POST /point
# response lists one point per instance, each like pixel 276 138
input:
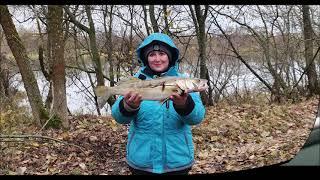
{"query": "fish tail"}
pixel 103 93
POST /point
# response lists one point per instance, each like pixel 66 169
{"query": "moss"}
pixel 54 122
pixel 44 115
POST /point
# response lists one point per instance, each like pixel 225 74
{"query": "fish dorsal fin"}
pixel 128 80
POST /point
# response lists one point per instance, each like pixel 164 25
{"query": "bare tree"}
pixel 199 18
pixel 93 44
pixel 2 71
pixel 94 52
pixel 153 19
pixel 19 52
pixel 130 48
pixel 5 90
pixel 166 22
pixel 310 65
pixel 109 45
pixel 55 37
pixel 45 67
pixel 146 19
pixel 263 37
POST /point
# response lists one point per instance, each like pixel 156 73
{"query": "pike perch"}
pixel 159 89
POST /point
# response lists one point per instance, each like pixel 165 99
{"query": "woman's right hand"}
pixel 133 99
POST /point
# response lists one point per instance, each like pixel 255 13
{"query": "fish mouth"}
pixel 198 86
pixel 203 85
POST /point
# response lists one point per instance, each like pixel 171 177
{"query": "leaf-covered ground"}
pixel 230 138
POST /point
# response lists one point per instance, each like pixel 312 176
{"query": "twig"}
pixel 306 69
pixel 45 124
pixel 42 137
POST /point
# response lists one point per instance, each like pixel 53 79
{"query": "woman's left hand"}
pixel 179 100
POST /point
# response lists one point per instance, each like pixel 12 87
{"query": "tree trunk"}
pixel 2 90
pixel 46 69
pixel 308 39
pixel 19 52
pixel 94 48
pixel 93 44
pixel 130 44
pixel 109 47
pixel 146 19
pixel 55 36
pixel 47 75
pixel 153 19
pixel 166 26
pixel 199 21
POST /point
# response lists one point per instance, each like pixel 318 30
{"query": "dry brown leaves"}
pixel 230 138
pixel 102 139
pixel 233 138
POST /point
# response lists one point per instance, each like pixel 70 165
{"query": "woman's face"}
pixel 158 61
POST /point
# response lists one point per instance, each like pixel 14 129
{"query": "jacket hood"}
pixel 161 38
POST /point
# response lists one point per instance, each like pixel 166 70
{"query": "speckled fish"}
pixel 159 89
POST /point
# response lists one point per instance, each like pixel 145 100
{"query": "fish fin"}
pixel 182 92
pixel 128 80
pixel 103 94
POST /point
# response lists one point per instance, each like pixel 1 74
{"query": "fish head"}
pixel 193 85
pixel 200 84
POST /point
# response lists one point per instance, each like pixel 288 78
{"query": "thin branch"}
pixel 89 71
pixel 73 19
pixel 239 56
pixel 306 69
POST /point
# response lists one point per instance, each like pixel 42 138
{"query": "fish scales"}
pixel 157 89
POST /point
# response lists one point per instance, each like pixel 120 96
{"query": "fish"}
pixel 158 89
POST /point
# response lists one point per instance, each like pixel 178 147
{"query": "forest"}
pixel 262 64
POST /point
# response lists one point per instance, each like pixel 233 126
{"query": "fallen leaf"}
pixel 21 170
pixel 82 166
pixel 35 144
pixel 93 138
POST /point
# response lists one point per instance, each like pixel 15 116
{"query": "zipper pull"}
pixel 167 104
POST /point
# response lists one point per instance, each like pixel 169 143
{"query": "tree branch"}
pixel 90 71
pixel 306 69
pixel 239 56
pixel 73 19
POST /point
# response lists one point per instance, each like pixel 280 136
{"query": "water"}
pixel 78 92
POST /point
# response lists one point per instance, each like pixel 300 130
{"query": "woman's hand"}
pixel 179 100
pixel 133 99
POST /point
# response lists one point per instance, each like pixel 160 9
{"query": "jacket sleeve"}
pixel 120 114
pixel 197 112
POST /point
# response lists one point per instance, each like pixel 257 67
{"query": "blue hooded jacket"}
pixel 160 137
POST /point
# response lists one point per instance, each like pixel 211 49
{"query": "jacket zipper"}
pixel 164 154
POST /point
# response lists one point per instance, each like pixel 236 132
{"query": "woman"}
pixel 160 138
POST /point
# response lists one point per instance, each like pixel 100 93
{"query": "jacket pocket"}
pixel 178 150
pixel 138 150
